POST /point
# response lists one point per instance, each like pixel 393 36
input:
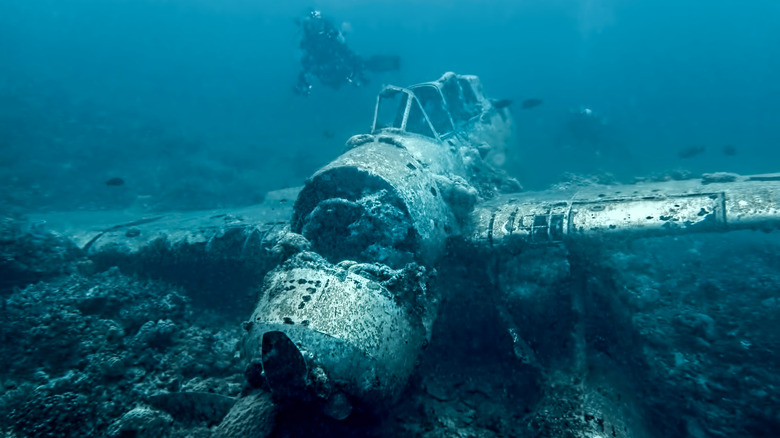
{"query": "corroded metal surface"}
pixel 132 231
pixel 377 166
pixel 196 249
pixel 357 339
pixel 699 205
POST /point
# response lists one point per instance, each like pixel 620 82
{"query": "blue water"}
pixel 146 106
pixel 190 102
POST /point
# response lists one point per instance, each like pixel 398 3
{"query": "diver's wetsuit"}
pixel 326 56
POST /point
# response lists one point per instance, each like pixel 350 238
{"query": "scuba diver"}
pixel 327 57
pixel 589 142
pixel 584 129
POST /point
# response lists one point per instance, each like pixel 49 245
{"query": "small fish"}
pixel 115 182
pixel 501 103
pixel 531 103
pixel 729 150
pixel 327 133
pixel 691 151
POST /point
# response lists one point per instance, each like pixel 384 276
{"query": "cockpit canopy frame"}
pixel 434 109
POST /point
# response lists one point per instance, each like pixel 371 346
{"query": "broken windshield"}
pixel 460 97
pixel 417 122
pixel 398 108
pixel 390 109
pixel 433 103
